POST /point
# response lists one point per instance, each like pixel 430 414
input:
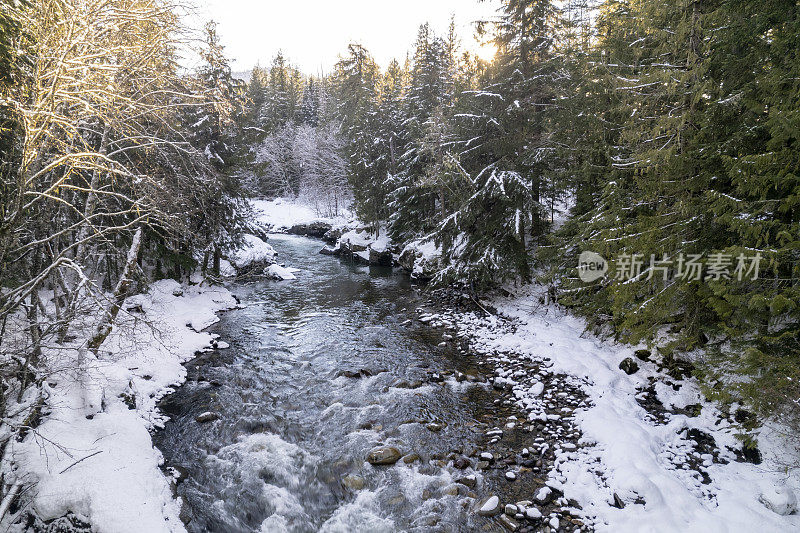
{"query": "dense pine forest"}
pixel 661 132
pixel 655 143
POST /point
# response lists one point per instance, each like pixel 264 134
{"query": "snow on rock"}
pixel 781 500
pixel 280 273
pixel 93 454
pixel 254 252
pixel 421 259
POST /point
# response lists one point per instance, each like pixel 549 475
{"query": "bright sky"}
pixel 313 33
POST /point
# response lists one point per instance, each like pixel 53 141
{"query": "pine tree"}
pixel 755 199
pixel 421 187
pixel 356 85
pixel 212 126
pixel 308 114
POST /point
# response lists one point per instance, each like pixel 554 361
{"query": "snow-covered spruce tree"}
pixel 355 87
pixel 421 186
pixel 283 89
pixel 653 204
pixel 753 123
pixel 504 154
pixel 309 111
pixel 214 131
pixel 482 245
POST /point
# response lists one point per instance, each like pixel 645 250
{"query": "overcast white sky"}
pixel 313 33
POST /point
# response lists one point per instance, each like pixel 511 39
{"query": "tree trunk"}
pixel 120 293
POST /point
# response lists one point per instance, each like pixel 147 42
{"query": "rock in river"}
pixel 353 482
pixel 207 417
pixel 489 506
pixel 384 455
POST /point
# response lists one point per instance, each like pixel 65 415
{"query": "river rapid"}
pixel 320 371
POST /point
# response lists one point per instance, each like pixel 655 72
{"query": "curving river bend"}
pixel 288 450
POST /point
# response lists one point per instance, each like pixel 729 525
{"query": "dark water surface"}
pixel 288 452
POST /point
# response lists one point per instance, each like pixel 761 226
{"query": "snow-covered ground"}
pixel 93 454
pixel 623 450
pixel 282 214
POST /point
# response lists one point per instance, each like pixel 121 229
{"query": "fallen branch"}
pixel 81 460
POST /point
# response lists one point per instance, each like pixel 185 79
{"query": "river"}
pixel 288 450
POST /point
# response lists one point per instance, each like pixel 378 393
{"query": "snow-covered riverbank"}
pixel 671 462
pixel 92 456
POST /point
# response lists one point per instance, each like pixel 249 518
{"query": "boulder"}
pixel 383 455
pixel 254 254
pixel 381 258
pixel 470 481
pixel 317 229
pixel 333 235
pixel 353 482
pixel 629 366
pixel 509 523
pixel 329 250
pixel 489 506
pixel 206 417
pixel 780 500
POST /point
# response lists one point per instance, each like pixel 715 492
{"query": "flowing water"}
pixel 288 451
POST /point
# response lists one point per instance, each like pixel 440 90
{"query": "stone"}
pixel 331 251
pixel 353 482
pixel 643 355
pixel 426 495
pixel 532 513
pixel 411 458
pixel 461 463
pixel 489 506
pixel 384 455
pixel 482 465
pixel 544 495
pixel 468 481
pixel 618 503
pixel 509 523
pixel 510 509
pixel 780 500
pixel 206 417
pixel 314 229
pixel 511 476
pixel 452 490
pixel 629 366
pixel 382 258
pixel 179 474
